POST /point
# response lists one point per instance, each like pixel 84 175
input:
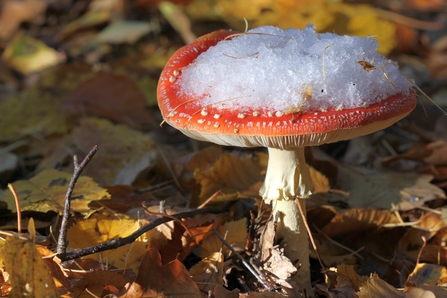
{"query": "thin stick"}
pixel 19 210
pixel 210 199
pixel 303 216
pixel 146 209
pixel 264 282
pixel 115 243
pixel 62 240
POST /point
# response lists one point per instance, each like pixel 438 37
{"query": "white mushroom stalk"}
pixel 287 178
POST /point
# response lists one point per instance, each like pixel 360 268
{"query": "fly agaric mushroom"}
pixel 283 90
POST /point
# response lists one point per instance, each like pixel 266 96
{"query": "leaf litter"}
pixel 373 201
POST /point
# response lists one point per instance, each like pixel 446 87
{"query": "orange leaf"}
pixel 155 279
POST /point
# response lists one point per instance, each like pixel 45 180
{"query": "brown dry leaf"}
pixel 14 12
pixel 156 280
pixel 109 96
pixel 236 177
pixel 209 272
pixel 123 153
pixel 31 113
pixel 438 153
pixel 321 182
pixel 234 232
pixel 54 265
pixel 378 288
pixel 221 292
pixel 46 192
pixel 347 275
pixel 97 230
pixel 272 259
pixel 357 220
pixel 427 226
pixel 434 153
pixel 342 281
pixel 123 198
pixel 262 295
pixel 95 282
pixel 375 188
pixel 28 274
pixel 27 55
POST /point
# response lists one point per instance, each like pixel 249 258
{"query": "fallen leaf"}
pixel 357 220
pixel 376 188
pixel 27 55
pixel 54 265
pixel 321 182
pixel 95 282
pixel 156 280
pixel 28 274
pixel 124 32
pixel 209 272
pixel 86 21
pixel 221 292
pixel 120 148
pixel 109 96
pixel 14 12
pixel 236 177
pixel 46 192
pixel 428 274
pixel 234 232
pixel 97 229
pixel 378 288
pixel 32 113
pixel 178 20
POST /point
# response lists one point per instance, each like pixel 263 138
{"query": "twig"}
pixel 210 199
pixel 19 209
pixel 164 214
pixel 264 282
pixel 115 243
pixel 303 216
pixel 62 240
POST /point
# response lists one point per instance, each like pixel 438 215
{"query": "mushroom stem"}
pixel 287 177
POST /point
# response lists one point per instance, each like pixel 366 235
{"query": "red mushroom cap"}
pixel 255 128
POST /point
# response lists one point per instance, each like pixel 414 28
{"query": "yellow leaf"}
pixel 209 272
pixel 234 232
pixel 124 152
pixel 28 274
pixel 26 54
pixel 235 176
pixel 97 230
pixel 321 182
pixel 46 192
pixel 31 113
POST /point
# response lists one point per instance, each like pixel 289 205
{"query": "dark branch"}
pixel 112 244
pixel 62 240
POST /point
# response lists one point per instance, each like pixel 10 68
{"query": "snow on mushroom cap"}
pixel 274 70
pixel 282 89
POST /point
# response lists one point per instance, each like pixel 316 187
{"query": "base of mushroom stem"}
pixel 291 228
